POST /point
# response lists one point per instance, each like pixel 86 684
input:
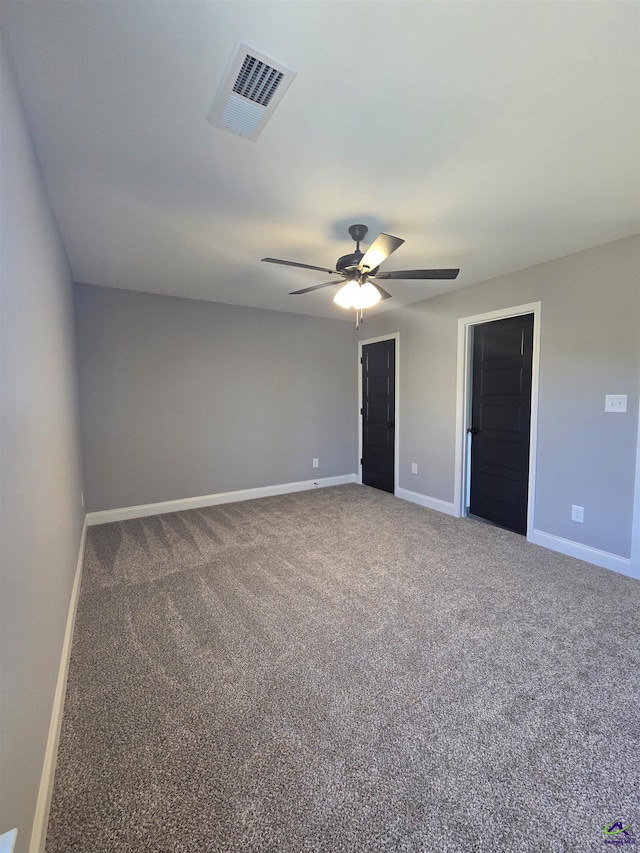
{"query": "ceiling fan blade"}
pixel 379 251
pixel 407 274
pixel 315 287
pixel 295 264
pixel 382 291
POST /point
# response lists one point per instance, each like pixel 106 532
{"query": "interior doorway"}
pixel 496 422
pixel 378 413
pixel 499 432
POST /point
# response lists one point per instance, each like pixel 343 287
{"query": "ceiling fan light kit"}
pixel 353 294
pixel 359 291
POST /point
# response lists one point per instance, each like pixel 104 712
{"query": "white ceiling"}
pixel 491 136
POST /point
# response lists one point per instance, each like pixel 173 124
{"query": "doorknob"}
pixel 473 430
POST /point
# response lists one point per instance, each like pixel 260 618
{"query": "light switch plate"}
pixel 615 403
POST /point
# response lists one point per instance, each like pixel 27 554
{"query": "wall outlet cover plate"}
pixel 615 403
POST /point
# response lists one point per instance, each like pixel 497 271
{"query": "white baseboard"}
pixel 425 500
pixel 124 513
pixel 604 559
pixel 41 818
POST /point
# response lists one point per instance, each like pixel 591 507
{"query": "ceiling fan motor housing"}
pixel 349 263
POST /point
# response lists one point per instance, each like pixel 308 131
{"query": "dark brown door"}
pixel 500 421
pixel 378 414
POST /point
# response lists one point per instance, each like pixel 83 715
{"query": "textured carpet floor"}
pixel 340 670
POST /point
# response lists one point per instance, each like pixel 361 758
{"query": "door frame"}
pixel 635 524
pixel 463 403
pixel 395 336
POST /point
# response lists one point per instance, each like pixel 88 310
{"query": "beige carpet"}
pixel 340 670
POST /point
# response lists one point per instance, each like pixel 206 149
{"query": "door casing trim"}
pixel 463 402
pixel 394 336
pixel 635 524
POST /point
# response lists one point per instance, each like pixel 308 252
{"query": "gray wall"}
pixel 181 398
pixel 590 346
pixel 41 518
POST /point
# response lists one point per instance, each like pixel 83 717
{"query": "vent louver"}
pixel 257 81
pixel 251 89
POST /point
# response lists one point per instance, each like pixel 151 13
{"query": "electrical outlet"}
pixel 577 513
pixel 315 462
pixel 414 467
pixel 615 403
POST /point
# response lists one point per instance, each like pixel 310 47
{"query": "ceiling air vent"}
pixel 250 91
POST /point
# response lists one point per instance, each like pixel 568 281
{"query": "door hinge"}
pixel 362 411
pixel 362 461
pixel 360 361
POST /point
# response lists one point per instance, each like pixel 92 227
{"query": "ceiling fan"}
pixel 357 269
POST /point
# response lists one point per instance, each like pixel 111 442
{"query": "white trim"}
pixel 394 336
pixel 635 523
pixel 41 817
pixel 426 501
pixel 582 552
pixel 143 510
pixel 463 401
